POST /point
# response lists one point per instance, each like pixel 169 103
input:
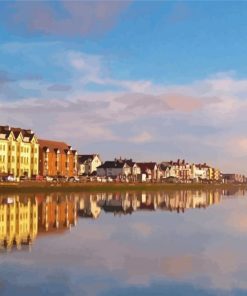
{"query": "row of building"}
pixel 179 170
pixel 22 153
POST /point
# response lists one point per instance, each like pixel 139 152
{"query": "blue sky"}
pixel 148 80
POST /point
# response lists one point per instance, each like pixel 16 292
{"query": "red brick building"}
pixel 57 159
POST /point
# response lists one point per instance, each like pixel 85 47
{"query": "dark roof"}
pixel 146 165
pixel 202 165
pixel 112 164
pixel 16 131
pixel 164 165
pixel 84 157
pixel 130 163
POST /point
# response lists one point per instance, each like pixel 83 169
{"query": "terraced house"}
pixel 19 152
pixel 57 159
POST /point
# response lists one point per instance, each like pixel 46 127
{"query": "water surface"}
pixel 143 243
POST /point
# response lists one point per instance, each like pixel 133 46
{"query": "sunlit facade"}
pixel 19 152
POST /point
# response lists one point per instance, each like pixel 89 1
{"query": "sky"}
pixel 140 79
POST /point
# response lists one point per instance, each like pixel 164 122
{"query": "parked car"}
pixel 24 178
pixel 10 178
pixel 73 179
pixel 39 178
pixel 49 178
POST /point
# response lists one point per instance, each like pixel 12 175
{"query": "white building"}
pixel 114 169
pixel 200 171
pixel 88 163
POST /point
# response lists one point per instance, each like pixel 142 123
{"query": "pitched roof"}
pixel 146 165
pixel 112 164
pixel 6 130
pixel 53 145
pixel 84 157
pixel 202 165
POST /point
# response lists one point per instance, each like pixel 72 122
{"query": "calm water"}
pixel 180 243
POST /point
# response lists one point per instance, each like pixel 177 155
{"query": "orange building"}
pixel 57 159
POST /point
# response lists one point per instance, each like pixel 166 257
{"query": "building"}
pixel 57 159
pixel 150 169
pixel 114 169
pixel 200 172
pixel 203 171
pixel 88 163
pixel 233 178
pixel 19 152
pixel 179 169
pixel 135 170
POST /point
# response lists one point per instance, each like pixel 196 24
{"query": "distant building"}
pixel 57 158
pixel 151 170
pixel 200 172
pixel 114 169
pixel 204 172
pixel 19 152
pixel 233 178
pixel 88 163
pixel 179 169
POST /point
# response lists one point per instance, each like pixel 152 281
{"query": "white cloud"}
pixel 142 138
pixel 204 120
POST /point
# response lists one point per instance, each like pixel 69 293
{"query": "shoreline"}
pixel 29 187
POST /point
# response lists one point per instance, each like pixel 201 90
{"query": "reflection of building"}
pixel 19 152
pixel 18 221
pixel 88 207
pixel 177 201
pixel 147 201
pixel 56 211
pixel 57 158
